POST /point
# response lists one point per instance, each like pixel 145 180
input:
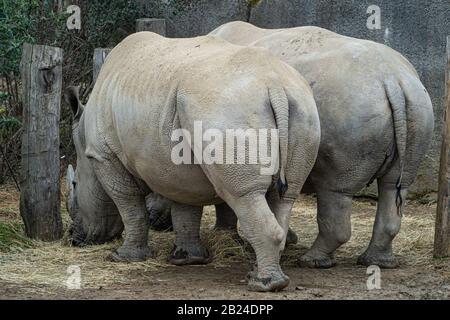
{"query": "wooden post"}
pixel 41 69
pixel 442 229
pixel 100 55
pixel 63 4
pixel 151 24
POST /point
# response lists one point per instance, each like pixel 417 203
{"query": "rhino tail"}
pixel 280 108
pixel 397 103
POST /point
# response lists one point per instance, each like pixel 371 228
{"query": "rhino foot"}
pixel 320 261
pixel 131 254
pixel 192 255
pixel 273 280
pixel 382 259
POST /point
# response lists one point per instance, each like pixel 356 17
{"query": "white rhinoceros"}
pixel 151 86
pixel 376 123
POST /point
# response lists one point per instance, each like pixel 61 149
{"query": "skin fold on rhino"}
pixel 376 123
pixel 151 86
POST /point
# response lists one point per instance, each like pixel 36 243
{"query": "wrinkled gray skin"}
pixel 376 123
pixel 149 86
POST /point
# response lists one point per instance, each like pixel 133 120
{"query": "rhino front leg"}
pixel 188 248
pixel 129 198
pixel 386 227
pixel 333 218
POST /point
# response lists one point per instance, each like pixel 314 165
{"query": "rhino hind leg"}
pixel 129 199
pixel 188 248
pixel 261 229
pixel 386 227
pixel 281 208
pixel 333 218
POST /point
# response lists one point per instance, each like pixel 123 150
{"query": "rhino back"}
pixel 151 85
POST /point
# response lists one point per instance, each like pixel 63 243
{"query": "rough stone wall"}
pixel 415 28
pixel 190 18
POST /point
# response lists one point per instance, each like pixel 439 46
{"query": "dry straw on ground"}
pixel 43 266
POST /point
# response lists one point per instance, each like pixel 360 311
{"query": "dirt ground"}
pixel 40 270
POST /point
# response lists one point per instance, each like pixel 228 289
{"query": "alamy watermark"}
pixel 234 146
pixel 74 20
pixel 73 282
pixel 374 279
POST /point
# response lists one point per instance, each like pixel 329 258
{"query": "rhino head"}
pixel 95 218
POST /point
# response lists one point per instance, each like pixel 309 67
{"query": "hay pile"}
pixel 43 266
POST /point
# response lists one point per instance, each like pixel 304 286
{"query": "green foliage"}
pixel 8 124
pixel 8 127
pixel 25 21
pixel 12 237
pixel 15 25
pixel 103 24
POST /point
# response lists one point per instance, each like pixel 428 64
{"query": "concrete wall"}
pixel 190 18
pixel 416 28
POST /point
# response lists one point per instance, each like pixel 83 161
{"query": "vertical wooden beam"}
pixel 100 55
pixel 442 228
pixel 41 69
pixel 151 24
pixel 62 5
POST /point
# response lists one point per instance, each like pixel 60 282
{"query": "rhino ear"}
pixel 71 96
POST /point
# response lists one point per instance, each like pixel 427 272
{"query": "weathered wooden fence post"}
pixel 41 69
pixel 100 55
pixel 442 229
pixel 151 24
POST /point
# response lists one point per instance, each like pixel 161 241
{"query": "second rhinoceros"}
pixel 376 123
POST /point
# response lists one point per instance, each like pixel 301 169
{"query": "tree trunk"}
pixel 40 186
pixel 442 229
